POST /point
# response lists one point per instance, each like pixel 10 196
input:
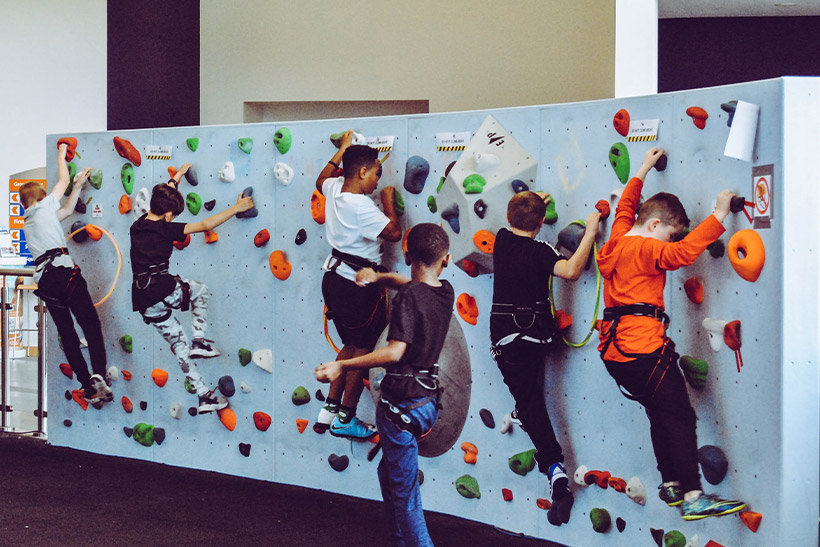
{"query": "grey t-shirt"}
pixel 43 232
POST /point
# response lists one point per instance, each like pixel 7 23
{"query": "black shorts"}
pixel 359 313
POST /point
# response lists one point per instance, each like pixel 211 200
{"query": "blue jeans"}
pixel 398 476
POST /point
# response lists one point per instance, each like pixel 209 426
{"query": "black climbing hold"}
pixel 193 411
pixel 449 167
pixel 143 405
pixel 657 535
pixel 245 449
pixel 660 165
pixel 450 214
pixel 737 204
pixel 487 418
pixel 226 386
pixel 421 477
pixel 209 205
pixel 480 208
pixel 67 423
pixel 338 463
pixel 301 236
pixel 80 236
pixel 80 207
pixel 159 435
pixel 128 431
pixel 67 395
pixel 729 108
pixel 713 463
pixel 319 395
pixel 519 186
pixel 620 524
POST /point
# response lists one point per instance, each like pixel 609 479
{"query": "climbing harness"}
pixel 409 384
pixel 525 318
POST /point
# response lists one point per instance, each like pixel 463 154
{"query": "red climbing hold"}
pixel 485 241
pixel 467 309
pixel 563 320
pixel 180 245
pixel 262 421
pixel 127 405
pixel 65 368
pixel 71 144
pixel 507 494
pixel 698 115
pixel 469 267
pixel 694 290
pixel 601 478
pixel 544 504
pixel 603 208
pixel 731 335
pixel 301 424
pixel 79 397
pixel 617 484
pixel 279 265
pixel 621 122
pixel 712 543
pixel 126 150
pixel 751 520
pixel 261 238
pixel 126 375
pixel 317 207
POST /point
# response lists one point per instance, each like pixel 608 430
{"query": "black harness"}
pixel 143 279
pixel 355 262
pixel 47 258
pixel 410 383
pixel 524 318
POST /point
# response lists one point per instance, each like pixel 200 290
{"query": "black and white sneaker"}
pixel 208 402
pixel 103 392
pixel 202 349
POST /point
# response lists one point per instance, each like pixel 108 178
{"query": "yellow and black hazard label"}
pixel 158 156
pixel 385 148
pixel 451 148
pixel 642 138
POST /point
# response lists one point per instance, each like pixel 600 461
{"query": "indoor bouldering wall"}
pixel 266 310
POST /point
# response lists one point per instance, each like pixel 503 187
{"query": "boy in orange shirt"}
pixel 634 346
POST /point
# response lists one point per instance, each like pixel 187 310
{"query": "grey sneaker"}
pixel 103 392
pixel 208 402
pixel 202 349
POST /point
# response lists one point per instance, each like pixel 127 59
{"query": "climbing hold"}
pixel 617 484
pixel 550 215
pixel 193 143
pixel 252 212
pixel 487 418
pixel 180 245
pixel 470 452
pixel 730 109
pixel 68 396
pixel 713 463
pixel 338 463
pixel 67 422
pixel 126 375
pixel 226 172
pixel 673 538
pixel 126 343
pixel 431 204
pixel 507 494
pixel 694 290
pixel 695 371
pixel 300 396
pixel 244 356
pixel 244 387
pixel 563 320
pixel 317 207
pixel 262 237
pixel 211 236
pixel 175 410
pixel 415 174
pixel 189 387
pixel 485 162
pixel 543 503
pixel 282 140
pixel 698 115
pixel 467 309
pixel 450 214
pixel 660 164
pixel 336 138
pixel 209 205
pixel 301 236
pixel 601 478
pixel 731 335
pixel 421 475
pixel 226 386
pixel 714 328
pixel 94 232
pixel 470 267
pixel 263 358
pixel 474 184
pixel 65 368
pixel 603 207
pixel 441 183
pixel 523 462
pixel 127 177
pixel 570 237
pixel 142 203
pixel 398 203
pixel 601 521
pixel 159 376
pixel 261 420
pixel 127 405
pixel 125 204
pixel 717 248
pixel 619 160
pixel 751 520
pixel 747 254
pixel 245 449
pixel 621 122
pixel 228 418
pixel 126 150
pixel 72 173
pixel 143 405
pixel 620 524
pixel 112 374
pixel 480 208
pixel 144 434
pixel 81 235
pixel 192 411
pixel 301 424
pixel 95 178
pixel 579 475
pixel 657 535
pixel 693 541
pixel 80 207
pixel 245 144
pixel 485 241
pixel 636 491
pixel 712 543
pixel 71 147
pixel 283 173
pixel 79 397
pixel 279 265
pixel 506 424
pixel 191 177
pixel 319 395
pixel 194 203
pixel 519 186
pixel 467 486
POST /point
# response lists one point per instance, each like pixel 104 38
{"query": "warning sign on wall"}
pixel 762 192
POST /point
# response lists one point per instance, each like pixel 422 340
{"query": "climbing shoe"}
pixel 101 389
pixel 709 505
pixel 560 511
pixel 208 402
pixel 202 349
pixel 670 495
pixel 90 397
pixel 326 416
pixel 354 429
pixel 562 499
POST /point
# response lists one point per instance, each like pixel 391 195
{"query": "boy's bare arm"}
pixel 242 204
pixel 68 207
pixel 62 173
pixel 391 353
pixel 328 170
pixel 571 269
pixel 391 232
pixel 178 175
pixel 366 276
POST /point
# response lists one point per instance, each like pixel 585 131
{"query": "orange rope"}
pixel 119 259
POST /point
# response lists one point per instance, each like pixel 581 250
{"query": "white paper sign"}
pixel 96 211
pixel 446 142
pixel 741 141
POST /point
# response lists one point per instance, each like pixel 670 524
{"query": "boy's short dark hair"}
pixel 165 198
pixel 427 243
pixel 525 211
pixel 356 157
pixel 30 193
pixel 666 207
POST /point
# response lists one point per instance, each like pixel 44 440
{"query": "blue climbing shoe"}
pixel 670 495
pixel 709 505
pixel 354 429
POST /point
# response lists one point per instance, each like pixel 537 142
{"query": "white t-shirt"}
pixel 352 225
pixel 43 232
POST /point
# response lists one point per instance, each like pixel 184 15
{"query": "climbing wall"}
pixel 748 413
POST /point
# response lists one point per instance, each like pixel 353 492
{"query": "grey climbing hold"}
pixel 128 431
pixel 80 236
pixel 190 176
pixel 338 463
pixel 193 411
pixel 713 463
pixel 729 108
pixel 67 423
pixel 487 418
pixel 252 212
pixel 660 165
pixel 319 395
pixel 143 405
pixel 657 535
pixel 415 174
pixel 159 435
pixel 620 524
pixel 226 386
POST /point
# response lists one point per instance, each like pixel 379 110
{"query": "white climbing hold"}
pixel 579 475
pixel 714 328
pixel 245 387
pixel 693 541
pixel 506 424
pixel 263 359
pixel 485 162
pixel 175 410
pixel 636 490
pixel 226 172
pixel 113 374
pixel 358 138
pixel 142 203
pixel 615 195
pixel 283 173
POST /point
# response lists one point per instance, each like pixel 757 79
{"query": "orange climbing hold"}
pixel 127 150
pixel 694 290
pixel 180 245
pixel 93 232
pixel 301 424
pixel 543 503
pixel 262 237
pixel 79 398
pixel 71 147
pixel 747 254
pixel 126 375
pixel 601 478
pixel 751 520
pixel 159 376
pixel 467 308
pixel 485 241
pixel 698 115
pixel 127 405
pixel 125 204
pixel 317 207
pixel 617 484
pixel 563 320
pixel 621 122
pixel 469 267
pixel 228 418
pixel 404 241
pixel 603 208
pixel 279 265
pixel 262 421
pixel 470 452
pixel 172 171
pixel 211 236
pixel 65 368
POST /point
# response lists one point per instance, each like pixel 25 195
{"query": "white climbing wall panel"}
pixel 761 417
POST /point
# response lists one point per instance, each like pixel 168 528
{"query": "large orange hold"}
pixel 617 484
pixel 485 241
pixel 621 122
pixel 751 520
pixel 228 418
pixel 125 204
pixel 159 376
pixel 94 232
pixel 467 308
pixel 262 421
pixel 317 207
pixel 747 254
pixel 172 171
pixel 127 150
pixel 563 320
pixel 279 265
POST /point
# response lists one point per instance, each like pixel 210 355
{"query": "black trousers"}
pixel 672 421
pixel 522 366
pixel 65 293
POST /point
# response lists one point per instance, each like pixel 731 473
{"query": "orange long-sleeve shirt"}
pixel 634 271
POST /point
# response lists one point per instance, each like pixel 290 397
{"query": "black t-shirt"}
pixel 152 242
pixel 522 267
pixel 420 316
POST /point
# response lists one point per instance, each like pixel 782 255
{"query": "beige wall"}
pixel 458 54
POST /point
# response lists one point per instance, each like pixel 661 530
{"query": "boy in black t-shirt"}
pixel 522 328
pixel 419 320
pixel 155 293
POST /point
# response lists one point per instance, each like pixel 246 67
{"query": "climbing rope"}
pixel 119 261
pixel 372 315
pixel 597 295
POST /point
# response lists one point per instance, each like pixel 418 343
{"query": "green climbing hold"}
pixel 127 343
pixel 246 145
pixel 673 538
pixel 95 178
pixel 193 202
pixel 523 462
pixel 467 486
pixel 551 215
pixel 695 371
pixel 72 172
pixel 189 386
pixel 619 160
pixel 300 396
pixel 336 139
pixel 143 434
pixel 717 248
pixel 127 177
pixel 440 184
pixel 601 521
pixel 245 356
pixel 282 139
pixel 474 184
pixel 398 203
pixel 193 143
pixel 431 204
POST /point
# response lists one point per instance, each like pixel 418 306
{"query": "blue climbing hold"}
pixel 520 186
pixel 450 214
pixel 415 174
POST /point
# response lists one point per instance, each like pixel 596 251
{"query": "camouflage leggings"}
pixel 171 329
